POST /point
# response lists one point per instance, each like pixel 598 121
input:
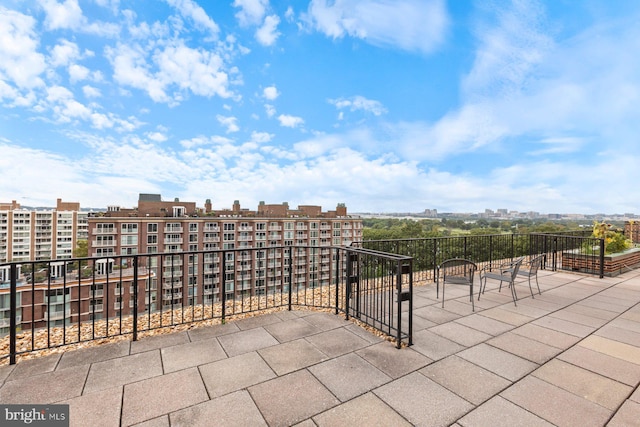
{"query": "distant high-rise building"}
pixel 32 235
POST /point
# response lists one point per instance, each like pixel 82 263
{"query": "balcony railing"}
pixel 352 281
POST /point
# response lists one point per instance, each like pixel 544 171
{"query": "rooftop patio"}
pixel 570 356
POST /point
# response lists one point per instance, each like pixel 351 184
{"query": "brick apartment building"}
pixel 176 229
pixel 168 233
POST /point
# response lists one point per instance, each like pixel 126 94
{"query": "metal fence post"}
pixel 13 321
pixel 337 281
pixel 602 249
pixel 135 298
pixel 290 275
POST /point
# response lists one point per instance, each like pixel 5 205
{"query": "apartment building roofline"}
pixel 152 205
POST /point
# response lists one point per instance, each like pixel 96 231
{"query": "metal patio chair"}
pixel 456 271
pixel 506 272
pixel 534 265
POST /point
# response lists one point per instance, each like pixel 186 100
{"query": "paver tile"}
pixel 349 376
pixel 235 373
pixel 99 409
pixel 619 334
pixel 155 342
pixel 422 401
pixel 499 412
pixel 392 361
pixel 363 333
pixel 628 324
pixel 498 361
pixel 292 398
pixel 37 366
pixel 524 347
pixel 291 356
pixel 565 326
pixel 590 311
pixel 579 318
pixel 161 421
pixel 123 370
pixel 337 342
pixel 208 332
pixel 485 324
pixel 90 355
pixel 556 405
pixel 603 364
pixel 465 379
pixel 627 416
pixel 246 341
pixel 433 345
pixel 591 386
pixel 5 371
pixel 365 410
pixel 326 321
pixel 612 348
pixel 45 388
pixel 460 334
pixel 257 321
pixel 547 336
pixel 435 314
pixel 506 316
pixel 191 354
pixel 292 329
pixel 147 399
pixel 235 409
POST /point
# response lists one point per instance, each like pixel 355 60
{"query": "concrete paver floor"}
pixel 570 356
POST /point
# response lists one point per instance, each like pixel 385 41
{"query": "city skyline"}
pixel 384 106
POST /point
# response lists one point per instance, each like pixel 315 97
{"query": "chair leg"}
pixel 442 294
pixel 473 307
pixel 513 294
pixel 539 293
pixel 530 288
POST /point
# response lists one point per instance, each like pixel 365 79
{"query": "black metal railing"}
pixel 377 285
pixel 428 253
pixel 47 304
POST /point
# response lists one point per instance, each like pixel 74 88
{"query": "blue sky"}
pixel 385 105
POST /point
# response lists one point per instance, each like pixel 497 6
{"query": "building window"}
pixel 129 228
pixel 193 226
pixel 229 237
pixel 229 226
pixel 152 239
pixel 152 249
pixel 193 237
pixel 152 228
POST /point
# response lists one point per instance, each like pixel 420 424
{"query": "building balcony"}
pixel 57 315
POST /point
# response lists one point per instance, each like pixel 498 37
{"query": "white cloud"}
pixel 64 53
pixel 178 68
pixel 78 72
pixel 229 122
pixel 251 11
pixel 412 25
pixel 156 136
pixel 62 15
pixel 261 137
pixel 203 140
pixel 91 92
pixel 270 110
pixel 289 14
pixel 290 121
pixel 268 33
pixel 359 103
pixel 68 15
pixel 197 14
pixel 21 63
pixel 270 93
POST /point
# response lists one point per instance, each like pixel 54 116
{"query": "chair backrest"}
pixel 515 266
pixel 535 264
pixel 457 267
